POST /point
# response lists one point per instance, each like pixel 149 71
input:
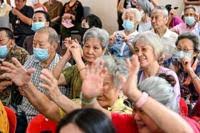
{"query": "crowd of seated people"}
pixel 144 77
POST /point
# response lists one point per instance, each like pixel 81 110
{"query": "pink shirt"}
pixel 167 72
pixel 182 28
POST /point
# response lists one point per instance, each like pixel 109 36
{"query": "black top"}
pixel 19 27
pixel 76 10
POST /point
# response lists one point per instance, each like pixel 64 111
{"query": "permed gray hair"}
pixel 116 67
pixel 53 36
pixel 98 33
pixel 136 12
pixel 161 90
pixel 153 40
pixel 192 37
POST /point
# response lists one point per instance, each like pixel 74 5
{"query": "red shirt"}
pixel 125 123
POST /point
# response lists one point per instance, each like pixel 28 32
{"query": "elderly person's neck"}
pixel 161 30
pixel 47 62
pixel 151 70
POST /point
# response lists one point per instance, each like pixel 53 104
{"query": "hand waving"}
pixel 92 85
pixel 51 84
pixel 16 72
pixel 130 86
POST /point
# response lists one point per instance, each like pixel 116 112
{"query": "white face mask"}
pixel 179 55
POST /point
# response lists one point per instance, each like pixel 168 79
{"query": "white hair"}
pixel 161 90
pixel 136 12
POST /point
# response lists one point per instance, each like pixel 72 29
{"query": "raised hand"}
pixel 51 84
pixel 92 85
pixel 16 72
pixel 130 86
pixel 76 50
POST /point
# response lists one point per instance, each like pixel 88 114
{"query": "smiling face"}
pixel 144 123
pixel 145 53
pixel 92 49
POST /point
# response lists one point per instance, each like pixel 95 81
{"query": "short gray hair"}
pixel 136 12
pixel 98 33
pixel 53 36
pixel 153 40
pixel 116 67
pixel 161 90
pixel 162 9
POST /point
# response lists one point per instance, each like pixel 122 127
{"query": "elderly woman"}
pixel 149 49
pixel 95 41
pixel 185 62
pixel 148 115
pixel 40 19
pixel 120 41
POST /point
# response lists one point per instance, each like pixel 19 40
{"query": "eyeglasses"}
pixel 185 50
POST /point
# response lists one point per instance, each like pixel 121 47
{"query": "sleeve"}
pixel 194 125
pixel 79 13
pixel 68 73
pixel 30 12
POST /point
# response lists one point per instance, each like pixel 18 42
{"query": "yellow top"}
pixel 4 123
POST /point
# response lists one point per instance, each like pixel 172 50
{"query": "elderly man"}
pixel 159 19
pixel 20 18
pixel 9 94
pixel 190 22
pixel 44 55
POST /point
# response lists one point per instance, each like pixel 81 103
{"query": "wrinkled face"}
pixel 39 17
pixel 72 128
pixel 20 4
pixel 4 40
pixel 40 40
pixel 144 123
pixel 185 45
pixel 145 54
pixel 110 93
pixel 157 19
pixel 129 16
pixel 92 49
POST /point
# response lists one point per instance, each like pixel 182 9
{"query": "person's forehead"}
pixel 41 36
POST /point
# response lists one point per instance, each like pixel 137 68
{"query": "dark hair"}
pixel 88 120
pixel 192 37
pixel 8 31
pixel 46 15
pixel 93 20
pixel 169 78
pixel 189 7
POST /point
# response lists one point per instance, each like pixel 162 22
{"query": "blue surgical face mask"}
pixel 3 51
pixel 41 54
pixel 190 20
pixel 128 25
pixel 37 25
